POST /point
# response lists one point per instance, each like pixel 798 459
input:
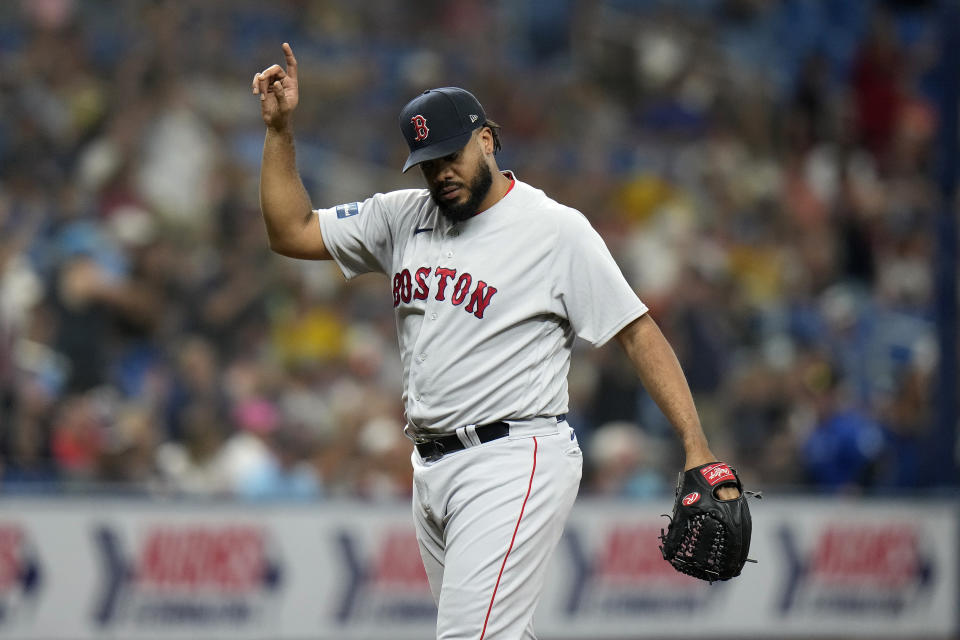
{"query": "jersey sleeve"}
pixel 358 235
pixel 596 297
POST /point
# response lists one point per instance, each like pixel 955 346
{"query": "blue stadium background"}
pixel 768 175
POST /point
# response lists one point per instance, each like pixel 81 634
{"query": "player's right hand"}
pixel 279 91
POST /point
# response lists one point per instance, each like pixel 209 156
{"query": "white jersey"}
pixel 487 309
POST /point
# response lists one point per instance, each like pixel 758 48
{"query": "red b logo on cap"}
pixel 420 126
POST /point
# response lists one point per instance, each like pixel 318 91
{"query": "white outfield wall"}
pixel 125 569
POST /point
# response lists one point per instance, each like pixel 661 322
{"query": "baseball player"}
pixel 492 281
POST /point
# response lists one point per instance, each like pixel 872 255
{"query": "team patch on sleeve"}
pixel 347 210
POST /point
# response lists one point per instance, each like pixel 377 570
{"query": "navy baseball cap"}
pixel 439 122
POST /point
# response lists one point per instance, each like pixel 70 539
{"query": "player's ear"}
pixel 485 137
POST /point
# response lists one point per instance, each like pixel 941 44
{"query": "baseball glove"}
pixel 708 538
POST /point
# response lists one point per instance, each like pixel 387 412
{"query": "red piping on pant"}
pixel 512 540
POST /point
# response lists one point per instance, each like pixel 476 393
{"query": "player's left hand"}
pixel 279 91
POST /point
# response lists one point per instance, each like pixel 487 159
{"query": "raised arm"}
pixel 291 225
pixel 659 370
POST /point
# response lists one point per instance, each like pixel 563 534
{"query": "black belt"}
pixel 435 448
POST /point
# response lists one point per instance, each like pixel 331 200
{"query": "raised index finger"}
pixel 291 61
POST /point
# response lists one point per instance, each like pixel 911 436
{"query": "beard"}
pixel 477 190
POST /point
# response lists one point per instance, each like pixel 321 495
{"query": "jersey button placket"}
pixel 432 310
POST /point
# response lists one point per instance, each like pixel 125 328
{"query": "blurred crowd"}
pixel 762 172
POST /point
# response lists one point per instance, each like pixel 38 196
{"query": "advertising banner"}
pixel 79 569
pixel 823 569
